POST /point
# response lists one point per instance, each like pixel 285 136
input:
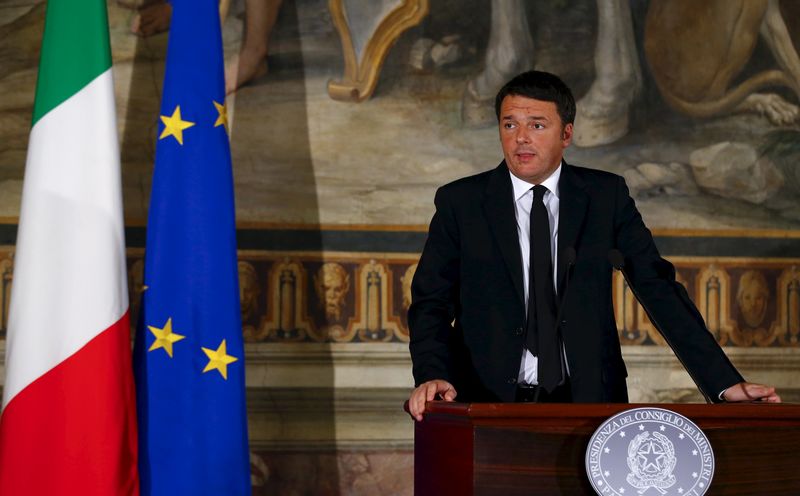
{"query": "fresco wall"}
pixel 362 109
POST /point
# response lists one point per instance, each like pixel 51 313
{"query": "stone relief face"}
pixel 248 290
pixel 331 284
pixel 752 298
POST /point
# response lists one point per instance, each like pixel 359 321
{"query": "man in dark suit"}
pixel 508 248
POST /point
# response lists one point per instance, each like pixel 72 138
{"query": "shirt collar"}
pixel 521 187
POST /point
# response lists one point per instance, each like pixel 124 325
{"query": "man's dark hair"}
pixel 542 86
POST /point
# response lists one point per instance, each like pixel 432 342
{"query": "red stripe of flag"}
pixel 73 430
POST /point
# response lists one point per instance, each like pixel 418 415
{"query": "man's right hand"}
pixel 427 391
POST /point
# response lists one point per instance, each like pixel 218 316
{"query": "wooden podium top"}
pixel 517 448
pixel 769 412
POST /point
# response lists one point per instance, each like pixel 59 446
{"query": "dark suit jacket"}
pixel 467 313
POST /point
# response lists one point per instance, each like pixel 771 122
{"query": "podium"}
pixel 528 449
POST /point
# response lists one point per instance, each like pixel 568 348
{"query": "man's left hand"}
pixel 747 391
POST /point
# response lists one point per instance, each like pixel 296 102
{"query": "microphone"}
pixel 569 257
pixel 617 260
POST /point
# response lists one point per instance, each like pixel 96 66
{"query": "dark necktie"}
pixel 542 339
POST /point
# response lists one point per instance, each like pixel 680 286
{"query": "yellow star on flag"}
pixel 164 337
pixel 174 125
pixel 219 359
pixel 222 120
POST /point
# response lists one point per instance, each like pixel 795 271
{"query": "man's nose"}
pixel 522 137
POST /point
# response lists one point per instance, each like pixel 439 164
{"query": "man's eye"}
pixel 538 125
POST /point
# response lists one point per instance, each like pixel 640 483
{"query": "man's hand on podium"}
pixel 747 391
pixel 427 391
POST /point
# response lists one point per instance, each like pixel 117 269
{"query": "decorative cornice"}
pixel 767 359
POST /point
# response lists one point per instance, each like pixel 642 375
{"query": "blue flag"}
pixel 189 359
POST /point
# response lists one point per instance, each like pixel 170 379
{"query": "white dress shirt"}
pixel 523 200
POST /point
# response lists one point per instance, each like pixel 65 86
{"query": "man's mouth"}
pixel 525 155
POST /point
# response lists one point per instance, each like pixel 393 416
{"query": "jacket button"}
pixel 518 331
pixel 512 381
pixel 564 322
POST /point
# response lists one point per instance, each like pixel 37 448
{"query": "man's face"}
pixel 532 137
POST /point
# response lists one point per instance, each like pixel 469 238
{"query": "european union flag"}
pixel 189 356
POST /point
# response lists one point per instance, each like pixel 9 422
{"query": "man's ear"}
pixel 566 135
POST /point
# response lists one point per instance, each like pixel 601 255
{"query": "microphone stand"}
pixel 569 256
pixel 618 262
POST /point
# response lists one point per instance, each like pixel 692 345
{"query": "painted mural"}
pixel 353 111
pixel 346 115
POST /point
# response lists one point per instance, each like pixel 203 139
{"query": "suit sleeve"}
pixel 434 293
pixel 667 303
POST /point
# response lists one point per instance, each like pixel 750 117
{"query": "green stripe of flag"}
pixel 75 50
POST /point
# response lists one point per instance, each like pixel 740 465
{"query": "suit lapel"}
pixel 573 203
pixel 502 219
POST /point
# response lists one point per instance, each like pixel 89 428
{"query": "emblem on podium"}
pixel 649 451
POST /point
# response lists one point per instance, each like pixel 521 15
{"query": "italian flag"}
pixel 68 423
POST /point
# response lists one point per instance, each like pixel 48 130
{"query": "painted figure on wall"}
pixel 694 50
pixel 251 62
pixel 753 324
pixel 752 298
pixel 332 283
pixel 695 70
pixel 248 291
pixel 408 276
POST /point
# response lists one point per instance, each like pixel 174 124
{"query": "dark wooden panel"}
pixel 443 456
pixel 510 449
pixel 513 460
